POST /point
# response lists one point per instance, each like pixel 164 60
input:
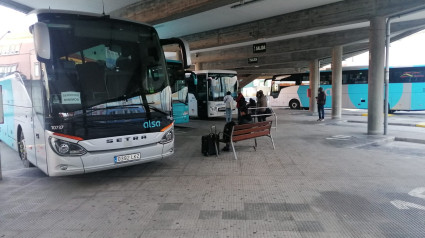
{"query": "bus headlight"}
pixel 167 138
pixel 66 148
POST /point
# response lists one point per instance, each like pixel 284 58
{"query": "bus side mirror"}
pixel 184 49
pixel 41 35
pixel 186 53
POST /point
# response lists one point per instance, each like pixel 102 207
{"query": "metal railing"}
pixel 255 115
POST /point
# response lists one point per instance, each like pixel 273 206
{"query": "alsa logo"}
pixel 152 124
pixel 130 138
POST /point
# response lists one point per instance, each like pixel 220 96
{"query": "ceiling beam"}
pixel 331 15
pixel 159 11
pixel 295 66
pixel 268 73
pixel 269 60
pixel 16 6
pixel 320 41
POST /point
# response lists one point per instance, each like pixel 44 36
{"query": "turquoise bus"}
pixel 406 89
pixel 179 89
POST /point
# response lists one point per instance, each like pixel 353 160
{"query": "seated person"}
pixel 252 104
pixel 227 131
pixel 245 116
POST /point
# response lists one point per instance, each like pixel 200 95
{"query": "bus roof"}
pixel 60 11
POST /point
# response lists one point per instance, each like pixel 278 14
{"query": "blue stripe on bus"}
pixel 395 93
pixel 358 95
pixel 7 130
pixel 302 94
pixel 418 96
pixel 328 91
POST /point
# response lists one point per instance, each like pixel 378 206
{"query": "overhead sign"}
pixel 259 48
pixel 252 60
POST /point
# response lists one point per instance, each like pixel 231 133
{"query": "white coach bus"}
pixel 102 99
pixel 207 91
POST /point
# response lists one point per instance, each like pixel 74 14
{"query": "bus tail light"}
pixel 66 148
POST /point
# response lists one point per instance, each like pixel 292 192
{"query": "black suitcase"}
pixel 210 143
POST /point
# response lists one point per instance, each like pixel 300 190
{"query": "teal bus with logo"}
pixel 406 89
pixel 179 89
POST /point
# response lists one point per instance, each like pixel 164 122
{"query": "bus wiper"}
pixel 158 110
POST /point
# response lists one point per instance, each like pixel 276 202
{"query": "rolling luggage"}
pixel 210 142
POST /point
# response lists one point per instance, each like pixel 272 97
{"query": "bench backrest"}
pixel 252 130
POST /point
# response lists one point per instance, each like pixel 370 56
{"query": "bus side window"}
pixel 420 77
pixel 325 78
pixel 191 85
pixel 399 76
pixel 344 78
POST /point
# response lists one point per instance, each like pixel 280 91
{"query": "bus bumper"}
pixel 104 160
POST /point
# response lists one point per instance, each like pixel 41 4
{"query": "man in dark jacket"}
pixel 321 101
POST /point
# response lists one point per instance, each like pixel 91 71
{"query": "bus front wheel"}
pixel 294 104
pixel 22 150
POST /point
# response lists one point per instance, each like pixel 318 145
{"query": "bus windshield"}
pixel 220 84
pixel 178 83
pixel 98 66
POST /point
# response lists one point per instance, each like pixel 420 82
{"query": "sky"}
pixel 9 20
pixel 409 51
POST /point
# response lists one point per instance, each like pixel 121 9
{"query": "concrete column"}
pixel 336 82
pixel 314 85
pixel 198 66
pixel 376 76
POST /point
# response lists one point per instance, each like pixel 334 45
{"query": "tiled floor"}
pixel 324 179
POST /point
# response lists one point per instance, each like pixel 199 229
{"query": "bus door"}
pixel 203 91
pixel 192 96
pixel 39 125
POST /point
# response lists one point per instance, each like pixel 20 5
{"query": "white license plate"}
pixel 126 158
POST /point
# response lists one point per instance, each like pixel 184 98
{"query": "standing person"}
pixel 228 100
pixel 321 101
pixel 262 104
pixel 240 102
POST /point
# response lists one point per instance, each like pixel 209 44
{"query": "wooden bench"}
pixel 250 131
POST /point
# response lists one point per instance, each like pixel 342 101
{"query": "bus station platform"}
pixel 324 179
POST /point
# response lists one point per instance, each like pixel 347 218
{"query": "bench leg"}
pixel 255 146
pixel 234 151
pixel 216 149
pixel 271 137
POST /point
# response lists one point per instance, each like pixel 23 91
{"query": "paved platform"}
pixel 324 179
